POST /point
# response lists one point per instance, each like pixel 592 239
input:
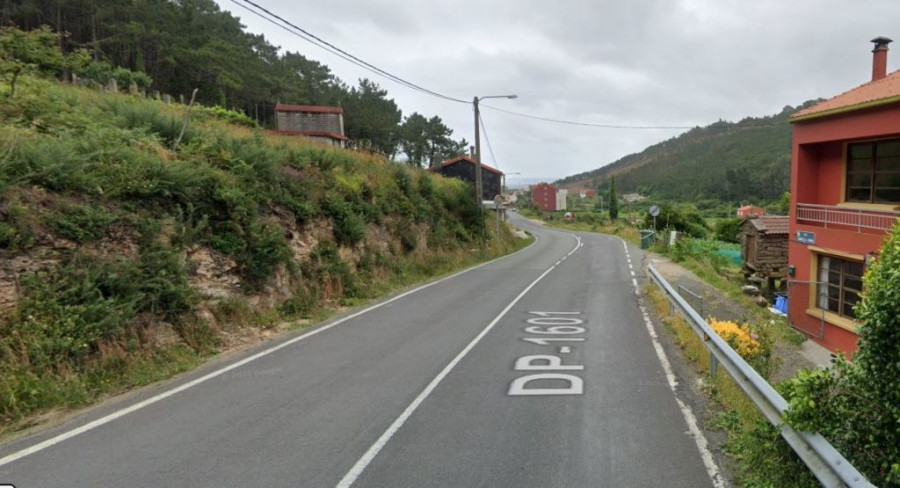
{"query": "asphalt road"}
pixel 533 370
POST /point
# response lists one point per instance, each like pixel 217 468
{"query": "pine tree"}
pixel 613 200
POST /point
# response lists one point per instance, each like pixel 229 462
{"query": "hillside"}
pixel 130 252
pixel 747 161
pixel 174 47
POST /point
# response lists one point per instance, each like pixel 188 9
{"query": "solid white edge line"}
pixel 712 470
pixel 137 406
pixel 379 444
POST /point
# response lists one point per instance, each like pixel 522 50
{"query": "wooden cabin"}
pixel 764 248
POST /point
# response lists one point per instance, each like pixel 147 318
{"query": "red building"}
pixel 748 210
pixel 544 196
pixel 845 193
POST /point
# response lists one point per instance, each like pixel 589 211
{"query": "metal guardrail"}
pixel 825 462
pixel 850 217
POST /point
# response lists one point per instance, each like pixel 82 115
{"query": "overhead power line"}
pixel 304 34
pixel 318 41
pixel 613 126
pixel 488 140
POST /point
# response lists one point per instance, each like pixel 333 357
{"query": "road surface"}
pixel 535 370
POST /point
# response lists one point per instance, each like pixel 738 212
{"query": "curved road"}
pixel 537 369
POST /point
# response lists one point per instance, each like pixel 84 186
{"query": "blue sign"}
pixel 804 237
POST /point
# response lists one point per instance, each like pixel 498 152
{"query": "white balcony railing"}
pixel 846 217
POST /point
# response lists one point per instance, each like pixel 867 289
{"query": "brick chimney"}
pixel 879 60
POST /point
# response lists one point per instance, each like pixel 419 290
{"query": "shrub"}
pixel 407 233
pixel 739 337
pixel 266 250
pixel 228 115
pixel 101 72
pixel 856 405
pixel 729 230
pixel 81 223
pixel 138 114
pixel 349 227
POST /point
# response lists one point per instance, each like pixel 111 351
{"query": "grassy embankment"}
pixel 762 458
pixel 105 206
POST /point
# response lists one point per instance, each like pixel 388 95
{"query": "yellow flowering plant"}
pixel 740 337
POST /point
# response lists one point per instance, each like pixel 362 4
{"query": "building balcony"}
pixel 830 216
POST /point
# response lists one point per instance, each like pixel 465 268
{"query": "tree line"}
pixel 733 163
pixel 176 46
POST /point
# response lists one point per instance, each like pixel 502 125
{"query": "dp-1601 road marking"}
pixel 379 444
pixel 547 323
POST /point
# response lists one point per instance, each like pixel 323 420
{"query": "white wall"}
pixel 561 199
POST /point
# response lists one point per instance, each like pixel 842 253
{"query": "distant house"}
pixel 561 195
pixel 543 195
pixel 586 193
pixel 764 247
pixel 463 168
pixel 633 197
pixel 845 196
pixel 322 124
pixel 750 211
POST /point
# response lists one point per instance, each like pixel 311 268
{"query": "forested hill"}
pixel 730 162
pixel 177 46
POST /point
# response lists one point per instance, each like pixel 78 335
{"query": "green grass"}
pixel 587 222
pixel 762 458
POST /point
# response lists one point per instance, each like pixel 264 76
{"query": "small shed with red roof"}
pixel 764 247
pixel 322 124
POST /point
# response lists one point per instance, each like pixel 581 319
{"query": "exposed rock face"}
pixel 12 269
pixel 215 275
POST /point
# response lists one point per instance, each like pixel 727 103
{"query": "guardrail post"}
pixel 823 460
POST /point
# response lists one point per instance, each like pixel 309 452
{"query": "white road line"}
pixel 379 444
pixel 699 439
pixel 166 394
pixel 565 350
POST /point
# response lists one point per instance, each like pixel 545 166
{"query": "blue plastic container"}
pixel 781 304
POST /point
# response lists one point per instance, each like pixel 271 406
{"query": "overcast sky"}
pixel 622 62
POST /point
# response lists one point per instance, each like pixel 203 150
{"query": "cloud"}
pixel 641 62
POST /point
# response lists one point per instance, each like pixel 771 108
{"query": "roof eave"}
pixel 848 108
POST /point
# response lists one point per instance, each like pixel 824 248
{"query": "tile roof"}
pixel 772 224
pixel 466 158
pixel 871 94
pixel 313 109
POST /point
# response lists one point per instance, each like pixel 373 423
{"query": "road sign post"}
pixel 654 211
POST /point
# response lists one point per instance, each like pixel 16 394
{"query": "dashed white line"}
pixel 565 350
pixel 699 439
pixel 379 444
